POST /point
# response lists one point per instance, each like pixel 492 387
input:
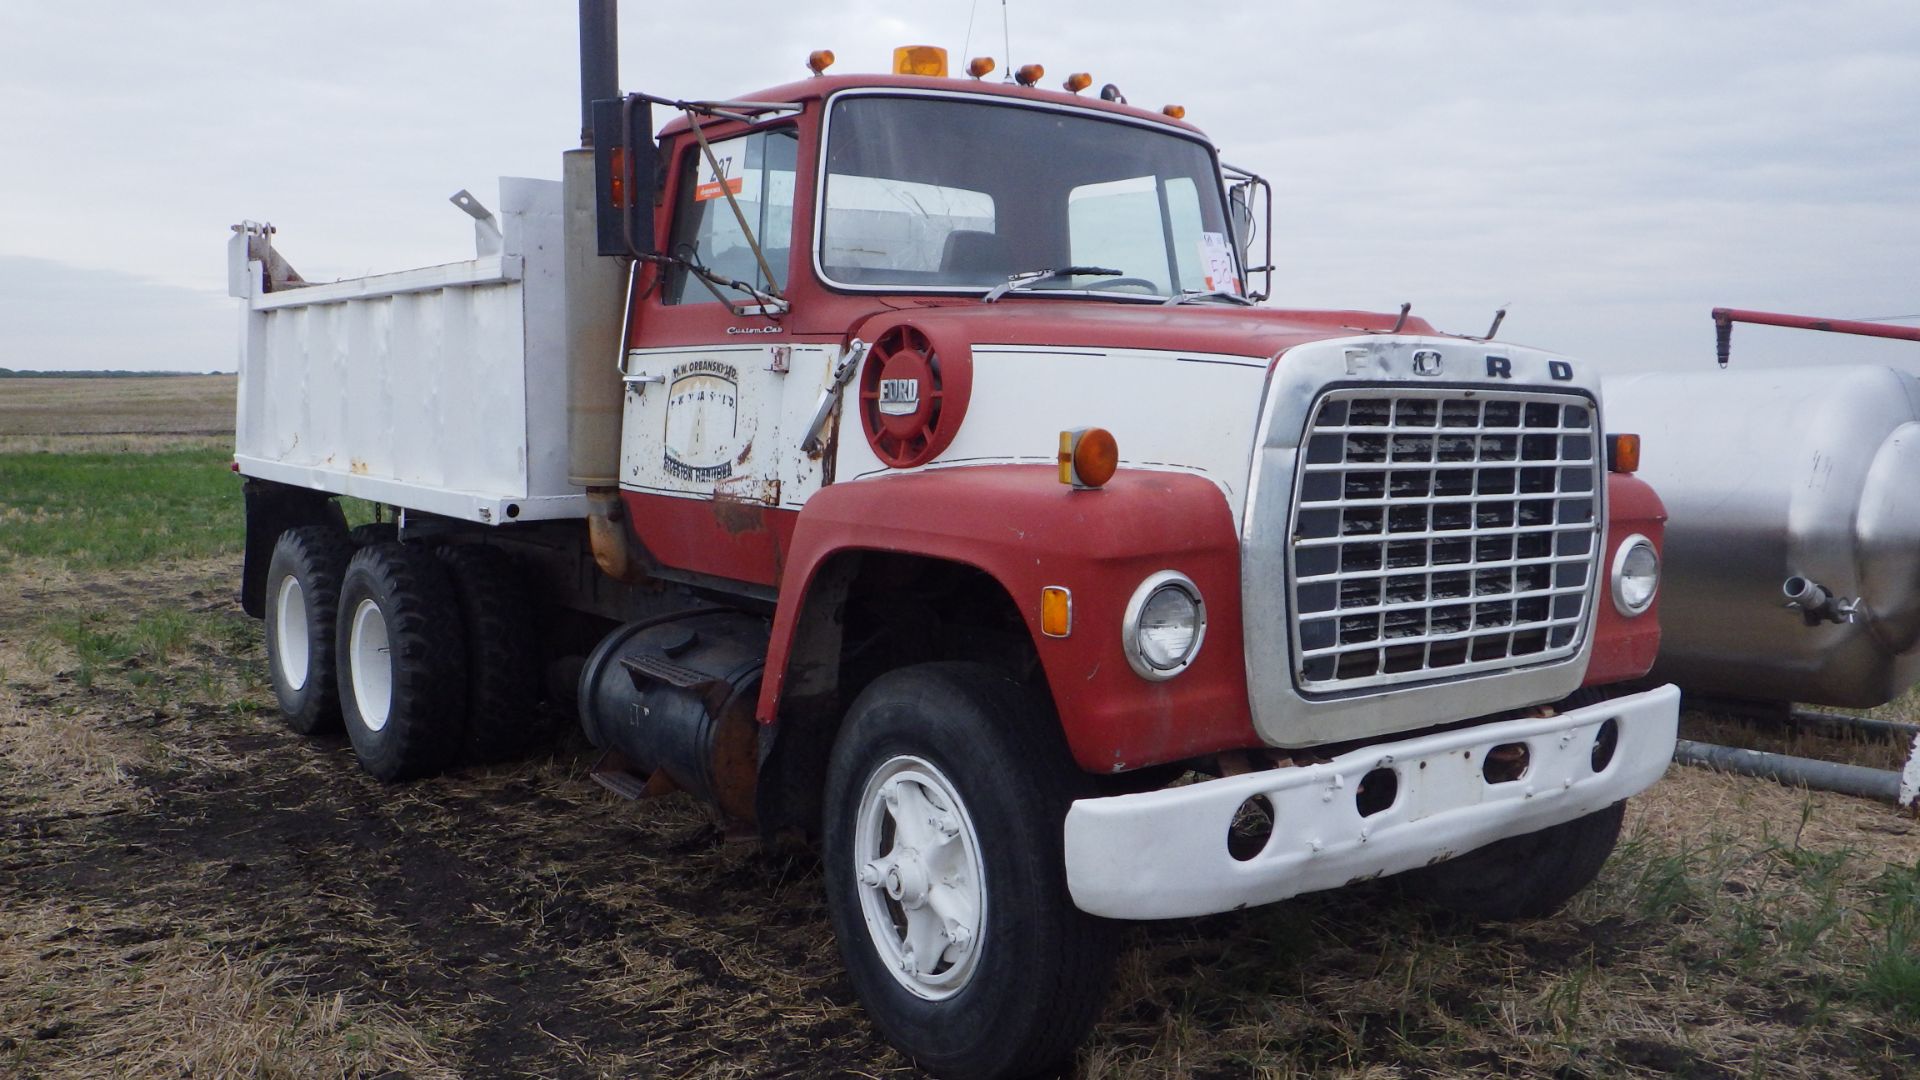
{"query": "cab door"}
pixel 709 419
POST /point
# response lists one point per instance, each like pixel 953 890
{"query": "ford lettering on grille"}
pixel 1441 533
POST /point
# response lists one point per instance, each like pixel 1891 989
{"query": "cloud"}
pixel 59 317
pixel 1612 170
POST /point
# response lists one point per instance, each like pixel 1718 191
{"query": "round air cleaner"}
pixel 912 397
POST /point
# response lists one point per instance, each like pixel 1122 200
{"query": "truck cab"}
pixel 971 515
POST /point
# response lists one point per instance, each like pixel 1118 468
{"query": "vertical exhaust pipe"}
pixel 599 60
pixel 596 287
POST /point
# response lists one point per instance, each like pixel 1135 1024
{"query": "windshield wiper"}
pixel 1031 278
pixel 1188 296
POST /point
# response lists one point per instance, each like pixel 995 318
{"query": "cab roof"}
pixel 819 87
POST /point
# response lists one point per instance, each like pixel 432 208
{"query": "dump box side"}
pixel 441 389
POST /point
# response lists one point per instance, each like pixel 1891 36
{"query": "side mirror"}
pixel 626 174
pixel 1245 221
pixel 1240 207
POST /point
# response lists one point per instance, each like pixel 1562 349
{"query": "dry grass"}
pixel 169 405
pixel 111 444
pixel 188 889
pixel 90 991
pixel 518 921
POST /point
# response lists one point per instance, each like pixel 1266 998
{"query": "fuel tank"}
pixel 675 696
pixel 1792 558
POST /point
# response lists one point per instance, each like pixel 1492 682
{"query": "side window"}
pixel 1116 224
pixel 1120 224
pixel 759 170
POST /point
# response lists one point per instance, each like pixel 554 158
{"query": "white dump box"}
pixel 442 389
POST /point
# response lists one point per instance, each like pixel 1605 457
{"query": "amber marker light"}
pixel 1077 82
pixel 819 60
pixel 1178 112
pixel 1056 611
pixel 1088 457
pixel 1623 453
pixel 980 67
pixel 1029 74
pixel 617 183
pixel 928 60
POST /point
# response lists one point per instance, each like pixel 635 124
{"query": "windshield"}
pixel 938 193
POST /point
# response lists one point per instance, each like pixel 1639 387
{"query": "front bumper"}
pixel 1163 854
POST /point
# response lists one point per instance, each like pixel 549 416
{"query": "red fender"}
pixel 1624 648
pixel 1024 528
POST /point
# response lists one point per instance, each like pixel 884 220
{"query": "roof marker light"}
pixel 1029 74
pixel 980 67
pixel 1077 82
pixel 819 60
pixel 928 60
pixel 1178 112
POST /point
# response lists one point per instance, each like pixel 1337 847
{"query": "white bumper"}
pixel 1163 854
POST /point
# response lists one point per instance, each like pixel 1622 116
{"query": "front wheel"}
pixel 946 796
pixel 1522 877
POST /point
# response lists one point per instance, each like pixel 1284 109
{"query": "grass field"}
pixel 189 889
pixel 152 409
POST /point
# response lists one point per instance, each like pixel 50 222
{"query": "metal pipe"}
pixel 1724 318
pixel 1882 730
pixel 1882 784
pixel 1812 322
pixel 599 60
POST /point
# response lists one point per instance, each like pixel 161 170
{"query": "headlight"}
pixel 1165 622
pixel 1636 575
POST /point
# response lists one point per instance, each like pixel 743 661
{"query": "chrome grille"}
pixel 1441 533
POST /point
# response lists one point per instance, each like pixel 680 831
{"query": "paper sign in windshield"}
pixel 1216 263
pixel 714 183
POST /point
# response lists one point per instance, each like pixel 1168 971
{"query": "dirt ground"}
pixel 189 889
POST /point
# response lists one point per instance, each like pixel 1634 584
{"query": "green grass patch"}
pixel 100 641
pixel 103 510
pixel 1891 978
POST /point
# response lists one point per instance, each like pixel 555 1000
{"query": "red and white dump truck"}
pixel 919 475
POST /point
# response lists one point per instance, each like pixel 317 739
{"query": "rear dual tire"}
pixel 403 662
pixel 302 602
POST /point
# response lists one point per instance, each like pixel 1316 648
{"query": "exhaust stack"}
pixel 596 287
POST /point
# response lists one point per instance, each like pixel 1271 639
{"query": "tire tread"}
pixel 496 610
pixel 318 554
pixel 424 727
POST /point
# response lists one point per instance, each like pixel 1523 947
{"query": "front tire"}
pixel 403 672
pixel 302 598
pixel 1522 877
pixel 946 794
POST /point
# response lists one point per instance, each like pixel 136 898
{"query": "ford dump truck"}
pixel 920 475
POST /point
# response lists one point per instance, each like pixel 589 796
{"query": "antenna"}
pixel 1006 28
pixel 967 43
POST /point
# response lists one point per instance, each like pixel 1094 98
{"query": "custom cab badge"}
pixel 1428 362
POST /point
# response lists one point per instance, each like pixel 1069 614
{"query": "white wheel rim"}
pixel 371 664
pixel 290 642
pixel 922 886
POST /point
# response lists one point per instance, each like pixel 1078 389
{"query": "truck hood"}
pixel 1200 327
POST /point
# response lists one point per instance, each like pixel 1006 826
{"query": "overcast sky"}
pixel 1610 171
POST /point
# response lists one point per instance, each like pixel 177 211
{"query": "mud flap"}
pixel 271 510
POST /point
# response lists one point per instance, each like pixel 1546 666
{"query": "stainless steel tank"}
pixel 1794 486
